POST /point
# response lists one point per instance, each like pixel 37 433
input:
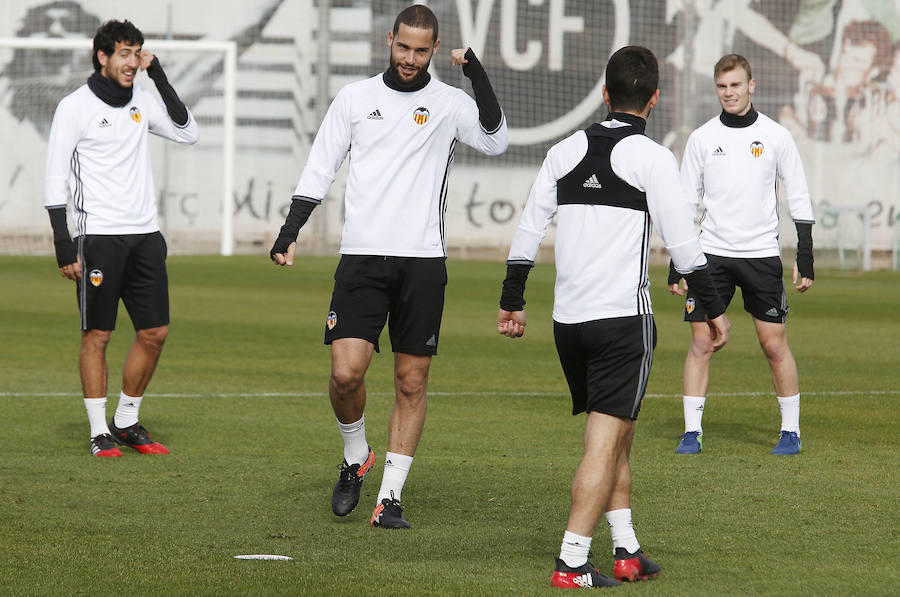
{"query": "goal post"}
pixel 843 236
pixel 200 70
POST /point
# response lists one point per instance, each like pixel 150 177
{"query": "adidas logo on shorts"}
pixel 592 183
pixel 773 312
pixel 376 115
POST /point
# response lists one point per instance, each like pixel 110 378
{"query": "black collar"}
pixel 416 84
pixel 739 122
pixel 635 121
pixel 109 91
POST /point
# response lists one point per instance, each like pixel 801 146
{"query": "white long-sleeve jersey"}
pixel 100 154
pixel 606 208
pixel 401 147
pixel 735 170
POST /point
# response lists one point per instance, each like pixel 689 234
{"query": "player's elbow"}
pixel 189 133
pixel 188 140
pixel 497 146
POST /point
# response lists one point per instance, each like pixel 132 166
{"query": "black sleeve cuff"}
pixel 174 106
pixel 674 275
pixel 65 252
pixel 473 68
pixel 63 245
pixel 805 250
pixel 489 113
pixel 301 208
pixel 512 297
pixel 703 287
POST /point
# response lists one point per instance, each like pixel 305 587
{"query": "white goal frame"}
pixel 865 245
pixel 229 89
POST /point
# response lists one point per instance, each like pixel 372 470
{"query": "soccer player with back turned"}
pixel 608 186
pixel 733 162
pixel 400 129
pixel 98 151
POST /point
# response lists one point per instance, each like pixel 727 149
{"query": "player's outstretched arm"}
pixel 282 252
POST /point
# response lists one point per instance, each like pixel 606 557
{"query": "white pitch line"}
pixel 451 394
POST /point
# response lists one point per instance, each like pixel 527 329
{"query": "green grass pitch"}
pixel 240 400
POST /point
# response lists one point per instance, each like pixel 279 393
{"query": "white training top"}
pixel 401 147
pixel 602 250
pixel 734 171
pixel 100 154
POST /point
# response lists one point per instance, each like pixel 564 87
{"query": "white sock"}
pixel 127 410
pixel 693 413
pixel 96 412
pixel 574 549
pixel 396 467
pixel 790 413
pixel 356 448
pixel 622 530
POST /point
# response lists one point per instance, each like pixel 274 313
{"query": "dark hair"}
pixel 418 17
pixel 632 77
pixel 111 32
pixel 729 62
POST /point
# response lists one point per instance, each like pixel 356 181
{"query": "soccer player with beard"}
pixel 99 152
pixel 400 129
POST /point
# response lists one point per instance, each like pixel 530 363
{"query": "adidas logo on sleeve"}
pixel 592 183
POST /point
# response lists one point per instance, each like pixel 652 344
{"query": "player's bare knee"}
pixel 153 338
pixel 345 382
pixel 411 381
pixel 95 340
pixel 775 349
pixel 411 386
pixel 702 347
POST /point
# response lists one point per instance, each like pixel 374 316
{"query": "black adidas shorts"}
pixel 761 283
pixel 607 363
pixel 128 266
pixel 368 288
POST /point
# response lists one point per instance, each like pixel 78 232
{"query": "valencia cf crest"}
pixel 756 148
pixel 332 320
pixel 96 277
pixel 421 115
pixel 135 114
pixel 689 306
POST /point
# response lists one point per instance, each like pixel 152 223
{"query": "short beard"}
pixel 395 72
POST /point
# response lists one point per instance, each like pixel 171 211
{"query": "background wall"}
pixel 827 69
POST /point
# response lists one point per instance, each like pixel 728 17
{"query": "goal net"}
pixel 193 183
